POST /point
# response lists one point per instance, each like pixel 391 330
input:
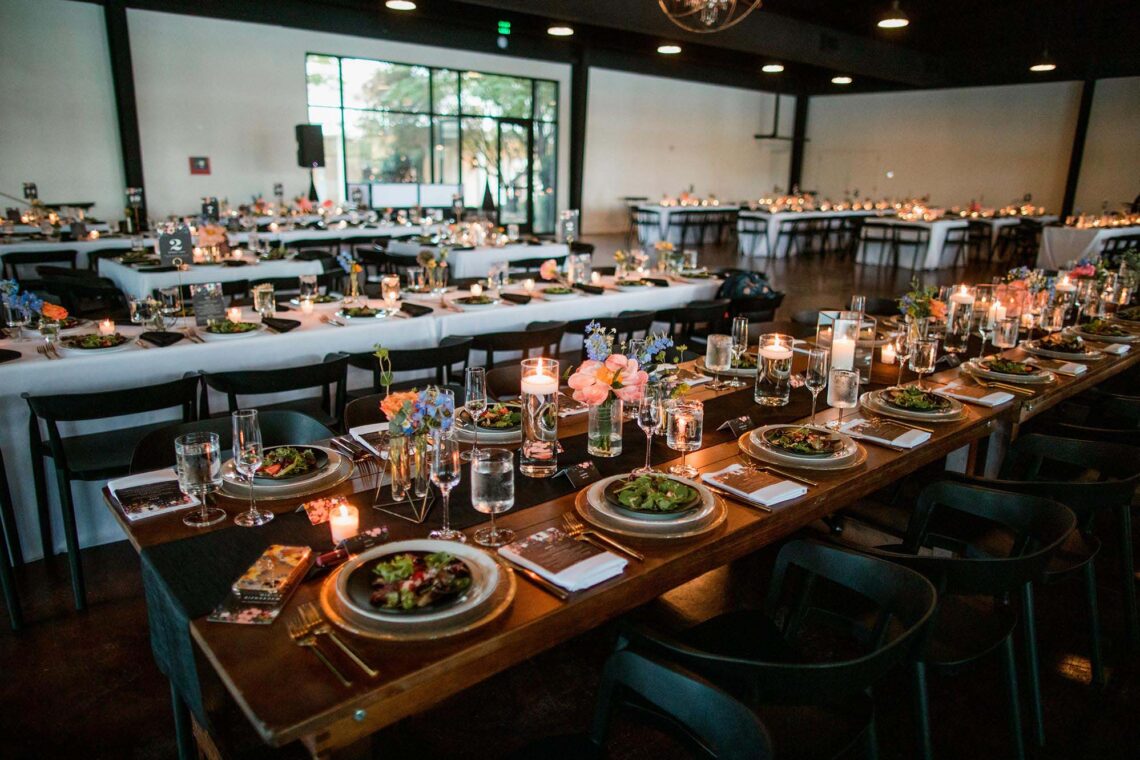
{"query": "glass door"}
pixel 515 170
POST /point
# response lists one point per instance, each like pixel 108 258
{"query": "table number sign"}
pixel 279 190
pixel 134 197
pixel 582 474
pixel 738 426
pixel 31 192
pixel 209 304
pixel 175 245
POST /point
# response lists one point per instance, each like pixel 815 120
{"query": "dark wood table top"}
pixel 287 695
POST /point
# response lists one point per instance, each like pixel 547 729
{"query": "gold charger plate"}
pixel 590 514
pixel 871 401
pixel 751 449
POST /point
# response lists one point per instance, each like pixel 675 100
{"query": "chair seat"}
pixel 966 629
pixel 1077 551
pixel 97 456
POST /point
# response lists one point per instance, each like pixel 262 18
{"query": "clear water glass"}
pixel 815 376
pixel 718 358
pixel 198 464
pixel 1005 332
pixel 739 347
pixel 307 287
pixel 248 456
pixel 16 317
pixel 684 430
pixel 492 492
pixel 923 355
pixel 445 473
pixel 263 300
pixel 648 412
pixel 842 392
pixel 475 390
pixel 984 297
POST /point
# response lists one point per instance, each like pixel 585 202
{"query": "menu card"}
pixel 755 485
pixel 885 431
pixel 564 561
pixel 373 437
pixel 974 394
pixel 150 493
pixel 1060 367
pixel 209 303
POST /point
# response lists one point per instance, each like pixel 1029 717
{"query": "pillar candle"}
pixel 476 290
pixel 344 522
pixel 234 314
pixel 888 354
pixel 306 306
pixel 843 353
pixel 539 384
pixel 106 327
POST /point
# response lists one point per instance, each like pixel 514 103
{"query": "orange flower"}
pixel 51 311
pixel 937 309
pixel 392 403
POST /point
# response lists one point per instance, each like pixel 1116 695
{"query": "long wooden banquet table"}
pixel 286 694
pixel 135 366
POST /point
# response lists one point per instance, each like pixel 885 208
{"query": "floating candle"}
pixel 539 384
pixel 306 306
pixel 234 314
pixel 344 522
pixel 106 327
pixel 887 354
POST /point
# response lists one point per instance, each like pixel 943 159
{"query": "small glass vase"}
pixel 399 466
pixel 420 466
pixel 353 294
pixel 603 433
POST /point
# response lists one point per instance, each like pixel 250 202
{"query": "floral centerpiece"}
pixel 549 271
pixel 213 238
pixel 921 302
pixel 435 267
pixel 414 417
pixel 352 268
pixel 603 382
pixel 303 204
pixel 634 260
pixel 668 258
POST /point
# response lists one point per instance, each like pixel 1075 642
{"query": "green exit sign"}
pixel 505 27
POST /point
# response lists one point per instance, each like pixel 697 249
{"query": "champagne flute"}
pixel 648 419
pixel 924 353
pixel 901 342
pixel 493 491
pixel 198 463
pixel 842 392
pixel 984 297
pixel 718 357
pixel 248 456
pixel 475 389
pixel 815 377
pixel 739 348
pixel 684 429
pixel 445 473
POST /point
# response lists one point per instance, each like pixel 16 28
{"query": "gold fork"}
pixel 320 627
pixel 579 531
pixel 299 632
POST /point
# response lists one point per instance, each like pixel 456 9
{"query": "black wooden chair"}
pixel 231 288
pixel 1114 247
pixel 695 320
pixel 91 297
pixel 21 266
pixel 834 624
pixel 880 235
pixel 156 449
pixel 448 361
pixel 543 337
pixel 979 241
pixel 531 266
pixel 877 306
pixel 328 407
pixel 913 236
pixel 9 551
pixel 646 225
pixel 756 308
pixel 94 257
pixel 327 246
pixel 752 237
pixel 93 456
pixel 957 239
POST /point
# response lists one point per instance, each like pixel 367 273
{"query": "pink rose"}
pixel 548 270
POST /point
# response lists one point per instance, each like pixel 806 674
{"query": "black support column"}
pixel 579 95
pixel 799 138
pixel 1078 151
pixel 123 81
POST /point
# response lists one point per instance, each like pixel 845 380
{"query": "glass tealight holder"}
pixel 390 288
pixel 538 457
pixel 773 370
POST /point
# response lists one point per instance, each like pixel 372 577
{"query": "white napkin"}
pixel 955 390
pixel 769 495
pixel 360 435
pixel 148 478
pixel 907 440
pixel 1060 367
pixel 1118 349
pixel 596 567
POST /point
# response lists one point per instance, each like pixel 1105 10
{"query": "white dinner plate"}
pixel 65 351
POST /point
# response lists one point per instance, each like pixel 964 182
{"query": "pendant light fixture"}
pixel 1044 63
pixel 894 18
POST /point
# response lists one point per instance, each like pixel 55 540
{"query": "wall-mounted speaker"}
pixel 310 146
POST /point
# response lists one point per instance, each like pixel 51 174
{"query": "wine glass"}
pixel 923 354
pixel 493 491
pixel 169 307
pixel 739 347
pixel 198 463
pixel 248 456
pixel 648 419
pixel 984 298
pixel 684 429
pixel 901 343
pixel 718 357
pixel 815 377
pixel 307 287
pixel 475 388
pixel 445 473
pixel 842 392
pixel 1053 318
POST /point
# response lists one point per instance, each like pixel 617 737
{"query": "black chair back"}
pixel 757 308
pixel 333 370
pixel 752 236
pixel 20 266
pixel 531 266
pixel 697 316
pixel 449 360
pixel 543 337
pixel 646 225
pixel 327 246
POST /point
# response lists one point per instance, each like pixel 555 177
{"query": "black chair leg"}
pixel 71 534
pixel 43 514
pixel 1033 667
pixel 1009 664
pixel 183 732
pixel 1096 657
pixel 10 536
pixel 1128 576
pixel 11 598
pixel 922 711
pixel 871 741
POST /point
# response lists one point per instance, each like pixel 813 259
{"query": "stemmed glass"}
pixel 648 419
pixel 684 430
pixel 815 377
pixel 475 389
pixel 445 473
pixel 739 348
pixel 983 301
pixel 198 463
pixel 248 456
pixel 901 343
pixel 923 354
pixel 718 358
pixel 169 307
pixel 493 491
pixel 842 392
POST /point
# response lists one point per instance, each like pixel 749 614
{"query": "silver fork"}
pixel 330 321
pixel 319 626
pixel 141 343
pixel 576 529
pixel 299 632
pixel 44 352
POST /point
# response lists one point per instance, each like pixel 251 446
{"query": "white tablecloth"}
pixel 138 284
pixel 1060 245
pixel 475 262
pixel 751 245
pixel 649 236
pixel 936 257
pixel 307 344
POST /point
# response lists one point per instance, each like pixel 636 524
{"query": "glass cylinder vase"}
pixel 420 466
pixel 538 457
pixel 399 470
pixel 603 431
pixel 773 370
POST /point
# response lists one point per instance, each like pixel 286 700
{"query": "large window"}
pixel 397 123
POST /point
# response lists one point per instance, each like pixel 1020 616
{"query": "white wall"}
pixel 233 91
pixel 649 136
pixel 1110 167
pixel 992 144
pixel 58 127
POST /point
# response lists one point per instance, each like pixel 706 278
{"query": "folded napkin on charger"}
pixel 280 325
pixel 1060 367
pixel 518 298
pixel 163 339
pixel 755 485
pixel 657 281
pixel 885 431
pixel 373 437
pixel 1118 349
pixel 973 394
pixel 564 561
pixel 592 289
pixel 414 309
pixel 150 493
pixel 149 270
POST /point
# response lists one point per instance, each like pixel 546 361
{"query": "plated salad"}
pixel 1063 343
pixel 1131 314
pixel 285 462
pixel 418 581
pixel 744 361
pixel 803 441
pixel 1008 367
pixel 226 327
pixel 657 494
pixel 1105 328
pixel 359 312
pixel 916 399
pixel 501 417
pixel 93 341
pixel 475 300
pixel 558 290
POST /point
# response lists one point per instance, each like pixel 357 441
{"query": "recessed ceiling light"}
pixel 559 30
pixel 772 68
pixel 1044 63
pixel 841 80
pixel 894 18
pixel 400 5
pixel 668 49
